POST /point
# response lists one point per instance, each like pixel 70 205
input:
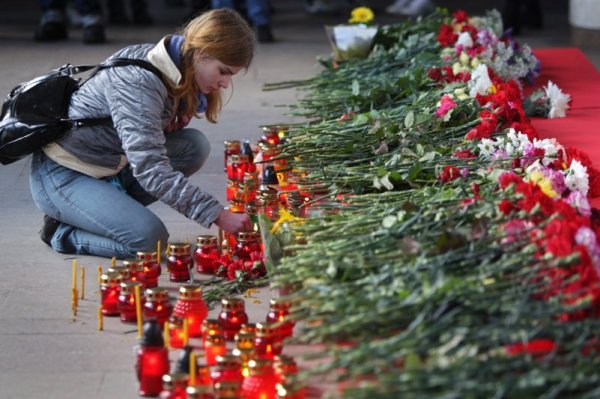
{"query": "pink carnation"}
pixel 446 104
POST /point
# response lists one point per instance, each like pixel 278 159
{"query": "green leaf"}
pixel 355 88
pixel 409 120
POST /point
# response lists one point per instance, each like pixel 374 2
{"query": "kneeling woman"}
pixel 95 182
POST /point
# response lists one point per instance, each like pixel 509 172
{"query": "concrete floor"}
pixel 44 351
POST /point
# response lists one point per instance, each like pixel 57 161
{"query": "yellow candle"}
pixel 185 332
pixel 192 369
pixel 113 261
pixel 74 300
pixel 82 283
pixel 158 251
pixel 100 319
pixel 166 334
pixel 74 276
pixel 99 274
pixel 138 310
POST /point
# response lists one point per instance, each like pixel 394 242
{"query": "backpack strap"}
pixel 115 62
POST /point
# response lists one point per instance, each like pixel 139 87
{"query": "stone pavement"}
pixel 44 351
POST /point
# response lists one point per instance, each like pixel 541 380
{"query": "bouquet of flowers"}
pixel 355 39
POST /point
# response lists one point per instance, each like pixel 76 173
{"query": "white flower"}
pixel 549 147
pixel 576 177
pixel 480 81
pixel 487 147
pixel 464 40
pixel 559 101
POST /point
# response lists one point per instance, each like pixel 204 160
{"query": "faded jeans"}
pixel 108 217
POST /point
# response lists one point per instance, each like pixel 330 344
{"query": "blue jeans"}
pixel 258 10
pixel 108 217
pixel 83 7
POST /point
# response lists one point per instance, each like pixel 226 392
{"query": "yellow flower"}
pixel 284 217
pixel 361 15
pixel 543 183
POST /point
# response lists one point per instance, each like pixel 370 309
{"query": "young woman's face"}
pixel 211 74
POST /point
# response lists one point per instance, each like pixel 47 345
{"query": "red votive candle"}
pixel 228 368
pixel 179 262
pixel 228 390
pixel 176 334
pixel 122 270
pixel 157 305
pixel 279 313
pixel 266 341
pixel 152 360
pixel 260 384
pixel 207 254
pixel 232 316
pixel 247 242
pixel 231 192
pixel 210 327
pixel 237 165
pixel 109 293
pixel 152 270
pixel 136 271
pixel 126 301
pixel 174 386
pixel 213 347
pixel 191 306
pixel 199 392
pixel 232 147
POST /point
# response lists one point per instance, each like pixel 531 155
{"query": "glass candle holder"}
pixel 157 305
pixel 176 334
pixel 232 147
pixel 110 287
pixel 179 262
pixel 214 346
pixel 247 242
pixel 199 392
pixel 232 316
pixel 284 367
pixel 122 270
pixel 174 386
pixel 152 269
pixel 248 328
pixel 210 327
pixel 244 340
pixel 237 165
pixel 207 254
pixel 267 343
pixel 236 206
pixel 245 355
pixel 260 384
pixel 231 192
pixel 228 368
pixel 136 271
pixel 191 306
pixel 227 390
pixel 126 302
pixel 270 136
pixel 267 202
pixel 279 314
pixel 152 360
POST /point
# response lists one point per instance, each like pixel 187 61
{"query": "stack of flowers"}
pixel 462 259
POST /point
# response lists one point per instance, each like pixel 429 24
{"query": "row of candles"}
pixel 255 366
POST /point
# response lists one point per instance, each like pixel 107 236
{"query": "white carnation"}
pixel 559 101
pixel 464 40
pixel 480 81
pixel 576 177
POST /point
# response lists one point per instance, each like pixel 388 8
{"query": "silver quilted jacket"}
pixel 140 108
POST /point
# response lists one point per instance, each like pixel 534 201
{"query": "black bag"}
pixel 35 113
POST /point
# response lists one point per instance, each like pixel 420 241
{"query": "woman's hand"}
pixel 233 222
pixel 178 122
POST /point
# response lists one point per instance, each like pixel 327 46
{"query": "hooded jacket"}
pixel 140 107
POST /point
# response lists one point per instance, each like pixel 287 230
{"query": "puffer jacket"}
pixel 140 107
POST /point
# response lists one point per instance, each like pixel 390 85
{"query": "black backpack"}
pixel 35 113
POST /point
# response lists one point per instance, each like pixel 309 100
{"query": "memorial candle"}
pixel 260 384
pixel 157 305
pixel 175 328
pixel 207 254
pixel 126 301
pixel 152 360
pixel 279 314
pixel 179 262
pixel 228 368
pixel 110 288
pixel 191 306
pixel 151 266
pixel 210 327
pixel 214 346
pixel 232 316
pixel 136 270
pixel 266 342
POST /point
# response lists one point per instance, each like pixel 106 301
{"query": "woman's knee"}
pixel 145 236
pixel 188 150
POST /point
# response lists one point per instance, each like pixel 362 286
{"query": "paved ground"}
pixel 44 352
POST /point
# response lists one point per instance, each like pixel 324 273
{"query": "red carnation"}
pixel 460 16
pixel 507 178
pixel 447 37
pixel 536 347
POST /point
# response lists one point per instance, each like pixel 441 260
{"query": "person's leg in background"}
pixel 53 23
pixel 259 13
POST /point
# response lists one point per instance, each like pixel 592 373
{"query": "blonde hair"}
pixel 221 34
